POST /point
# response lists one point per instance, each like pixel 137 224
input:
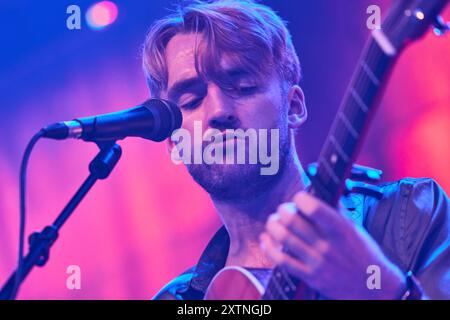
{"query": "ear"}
pixel 297 113
pixel 170 145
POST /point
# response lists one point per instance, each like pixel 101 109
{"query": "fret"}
pixel 349 143
pixel 359 101
pixel 286 284
pixel 272 290
pixel 339 149
pixel 370 73
pixel 336 162
pixel 348 125
pixel 355 116
pixel 364 92
pixel 280 290
pixel 352 117
pixel 330 171
pixel 281 284
pixel 288 279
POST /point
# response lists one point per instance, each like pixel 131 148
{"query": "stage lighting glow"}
pixel 101 14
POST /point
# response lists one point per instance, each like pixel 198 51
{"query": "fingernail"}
pixel 274 216
pixel 289 208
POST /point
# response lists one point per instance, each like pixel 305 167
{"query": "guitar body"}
pixel 234 283
pixel 237 283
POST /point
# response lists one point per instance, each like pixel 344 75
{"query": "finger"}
pixel 294 245
pixel 322 216
pixel 297 223
pixel 282 259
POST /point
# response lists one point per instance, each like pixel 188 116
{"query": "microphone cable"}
pixel 22 183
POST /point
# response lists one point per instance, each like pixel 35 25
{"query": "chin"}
pixel 231 181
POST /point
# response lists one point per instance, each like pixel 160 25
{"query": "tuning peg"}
pixel 440 26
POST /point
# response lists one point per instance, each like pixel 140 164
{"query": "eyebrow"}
pixel 185 85
pixel 237 72
pixel 182 86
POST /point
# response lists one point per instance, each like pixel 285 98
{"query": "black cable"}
pixel 23 171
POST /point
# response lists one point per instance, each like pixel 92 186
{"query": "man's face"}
pixel 251 104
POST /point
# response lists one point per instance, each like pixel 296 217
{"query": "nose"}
pixel 221 111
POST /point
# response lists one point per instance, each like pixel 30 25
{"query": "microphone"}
pixel 155 120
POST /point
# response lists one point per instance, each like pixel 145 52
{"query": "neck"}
pixel 245 220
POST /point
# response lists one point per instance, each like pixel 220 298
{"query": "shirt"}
pixel 410 221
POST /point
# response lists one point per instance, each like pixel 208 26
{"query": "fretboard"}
pixel 351 122
pixel 341 148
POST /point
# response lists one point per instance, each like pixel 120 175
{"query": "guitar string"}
pixel 372 57
pixel 362 83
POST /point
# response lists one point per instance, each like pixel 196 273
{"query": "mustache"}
pixel 223 135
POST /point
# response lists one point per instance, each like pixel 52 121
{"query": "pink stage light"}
pixel 101 14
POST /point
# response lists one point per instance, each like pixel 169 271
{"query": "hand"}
pixel 328 251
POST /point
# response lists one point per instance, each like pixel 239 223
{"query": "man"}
pixel 232 65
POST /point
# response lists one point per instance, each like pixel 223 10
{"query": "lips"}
pixel 223 139
pixel 219 138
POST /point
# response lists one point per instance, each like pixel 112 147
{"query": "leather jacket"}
pixel 409 219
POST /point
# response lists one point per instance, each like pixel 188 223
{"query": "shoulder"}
pixel 418 185
pixel 409 212
pixel 409 197
pixel 420 212
pixel 172 290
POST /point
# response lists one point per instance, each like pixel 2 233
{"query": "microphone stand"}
pixel 41 242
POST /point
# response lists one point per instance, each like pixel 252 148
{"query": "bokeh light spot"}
pixel 101 14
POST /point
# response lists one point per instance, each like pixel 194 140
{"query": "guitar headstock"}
pixel 408 20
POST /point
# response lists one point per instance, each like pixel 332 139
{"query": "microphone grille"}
pixel 167 118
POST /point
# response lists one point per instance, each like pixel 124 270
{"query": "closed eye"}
pixel 247 89
pixel 192 104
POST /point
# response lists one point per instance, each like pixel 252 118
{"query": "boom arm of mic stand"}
pixel 41 242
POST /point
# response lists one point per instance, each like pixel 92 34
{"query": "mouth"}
pixel 223 139
pixel 213 137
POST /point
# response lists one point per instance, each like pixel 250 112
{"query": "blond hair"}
pixel 252 33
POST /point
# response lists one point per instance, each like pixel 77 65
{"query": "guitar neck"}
pixel 343 142
pixel 352 120
pixel 406 21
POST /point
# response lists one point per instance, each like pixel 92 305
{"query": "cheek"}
pixel 263 111
pixel 191 118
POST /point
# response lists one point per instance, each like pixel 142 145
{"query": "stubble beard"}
pixel 240 182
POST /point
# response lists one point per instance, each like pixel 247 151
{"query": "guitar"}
pixel 406 21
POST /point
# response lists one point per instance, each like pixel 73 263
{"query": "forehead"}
pixel 180 57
